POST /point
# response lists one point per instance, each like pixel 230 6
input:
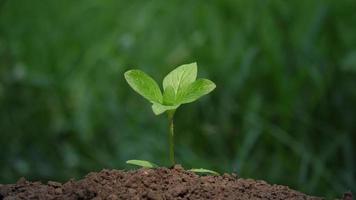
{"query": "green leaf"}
pixel 181 77
pixel 144 85
pixel 142 163
pixel 207 171
pixel 195 90
pixel 158 108
pixel 169 96
pixel 180 86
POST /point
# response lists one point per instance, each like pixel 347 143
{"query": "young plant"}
pixel 180 86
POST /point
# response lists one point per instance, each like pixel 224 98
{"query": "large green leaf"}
pixel 181 77
pixel 158 108
pixel 195 90
pixel 144 85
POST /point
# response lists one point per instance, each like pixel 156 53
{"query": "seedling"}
pixel 180 86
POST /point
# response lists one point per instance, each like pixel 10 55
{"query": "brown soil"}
pixel 161 183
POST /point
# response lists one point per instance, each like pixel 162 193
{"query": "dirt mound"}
pixel 161 183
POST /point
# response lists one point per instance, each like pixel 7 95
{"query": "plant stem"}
pixel 171 136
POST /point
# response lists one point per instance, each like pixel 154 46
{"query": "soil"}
pixel 160 183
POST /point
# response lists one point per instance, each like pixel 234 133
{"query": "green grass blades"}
pixel 204 171
pixel 142 163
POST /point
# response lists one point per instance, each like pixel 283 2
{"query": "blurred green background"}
pixel 284 109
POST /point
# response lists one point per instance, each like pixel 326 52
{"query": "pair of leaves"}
pixel 147 164
pixel 179 87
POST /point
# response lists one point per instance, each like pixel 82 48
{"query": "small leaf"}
pixel 181 77
pixel 144 85
pixel 142 163
pixel 159 108
pixel 195 90
pixel 169 96
pixel 201 170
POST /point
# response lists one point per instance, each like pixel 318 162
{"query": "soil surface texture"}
pixel 160 183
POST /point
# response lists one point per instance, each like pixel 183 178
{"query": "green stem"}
pixel 171 136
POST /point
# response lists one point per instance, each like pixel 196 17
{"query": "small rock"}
pixel 112 197
pixel 58 191
pixel 179 167
pixel 153 195
pixel 22 180
pixel 54 184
